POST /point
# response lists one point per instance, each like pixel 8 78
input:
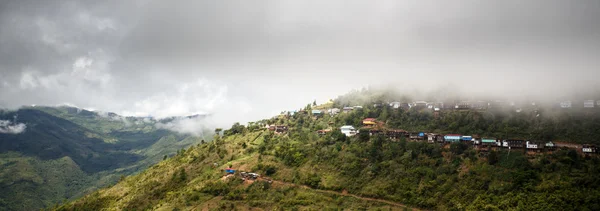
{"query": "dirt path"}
pixel 344 193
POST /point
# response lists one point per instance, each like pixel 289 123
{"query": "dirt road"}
pixel 345 193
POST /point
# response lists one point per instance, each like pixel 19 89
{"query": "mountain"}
pixel 65 152
pixel 302 170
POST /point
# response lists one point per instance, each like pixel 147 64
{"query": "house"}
pixel 281 129
pixel 376 105
pixel 395 104
pixel 347 109
pixel 476 141
pixel 431 137
pixel 394 134
pixel 369 122
pixel 565 104
pixel 514 143
pixel 439 139
pixel 452 137
pixel 357 107
pixel 317 112
pixel 230 171
pixel 323 132
pixel 488 142
pixel 589 149
pixel 404 106
pixel 462 105
pixel 438 106
pixel 419 104
pixel 414 136
pixel 598 103
pixel 549 145
pixel 588 104
pixel 560 144
pixel 480 105
pixel 333 111
pixel 348 130
pixel 466 138
pixel 530 145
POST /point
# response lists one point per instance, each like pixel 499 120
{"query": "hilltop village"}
pixel 371 126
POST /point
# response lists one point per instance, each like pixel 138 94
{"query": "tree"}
pixel 165 157
pixel 363 135
pixel 236 128
pixel 492 157
pixel 315 103
pixel 180 176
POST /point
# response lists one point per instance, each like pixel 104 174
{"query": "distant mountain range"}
pixel 49 154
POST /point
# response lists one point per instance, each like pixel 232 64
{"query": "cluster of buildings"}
pixel 373 127
pixel 481 143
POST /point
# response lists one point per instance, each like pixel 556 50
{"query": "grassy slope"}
pixel 159 187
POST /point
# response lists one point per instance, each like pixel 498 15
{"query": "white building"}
pixel 565 104
pixel 333 111
pixel 588 104
pixel 348 130
pixel 531 145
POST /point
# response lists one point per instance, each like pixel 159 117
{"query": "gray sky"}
pixel 245 60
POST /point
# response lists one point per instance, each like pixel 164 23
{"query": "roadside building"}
pixel 348 130
pixel 452 138
pixel 369 122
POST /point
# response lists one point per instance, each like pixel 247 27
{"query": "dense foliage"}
pixel 430 176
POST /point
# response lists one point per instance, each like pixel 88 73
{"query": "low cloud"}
pixel 195 126
pixel 7 126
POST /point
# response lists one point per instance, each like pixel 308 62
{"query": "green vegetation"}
pixel 65 153
pixel 313 172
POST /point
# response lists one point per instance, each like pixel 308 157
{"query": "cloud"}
pixel 6 126
pixel 242 61
pixel 194 126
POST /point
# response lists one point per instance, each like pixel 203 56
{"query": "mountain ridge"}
pixel 65 152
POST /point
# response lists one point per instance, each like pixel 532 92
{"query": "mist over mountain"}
pixel 49 154
pixel 244 61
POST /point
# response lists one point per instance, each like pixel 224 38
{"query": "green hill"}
pixel 66 152
pixel 333 172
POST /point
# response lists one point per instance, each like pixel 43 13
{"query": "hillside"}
pixel 65 152
pixel 331 172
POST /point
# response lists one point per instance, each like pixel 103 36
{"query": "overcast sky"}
pixel 245 60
